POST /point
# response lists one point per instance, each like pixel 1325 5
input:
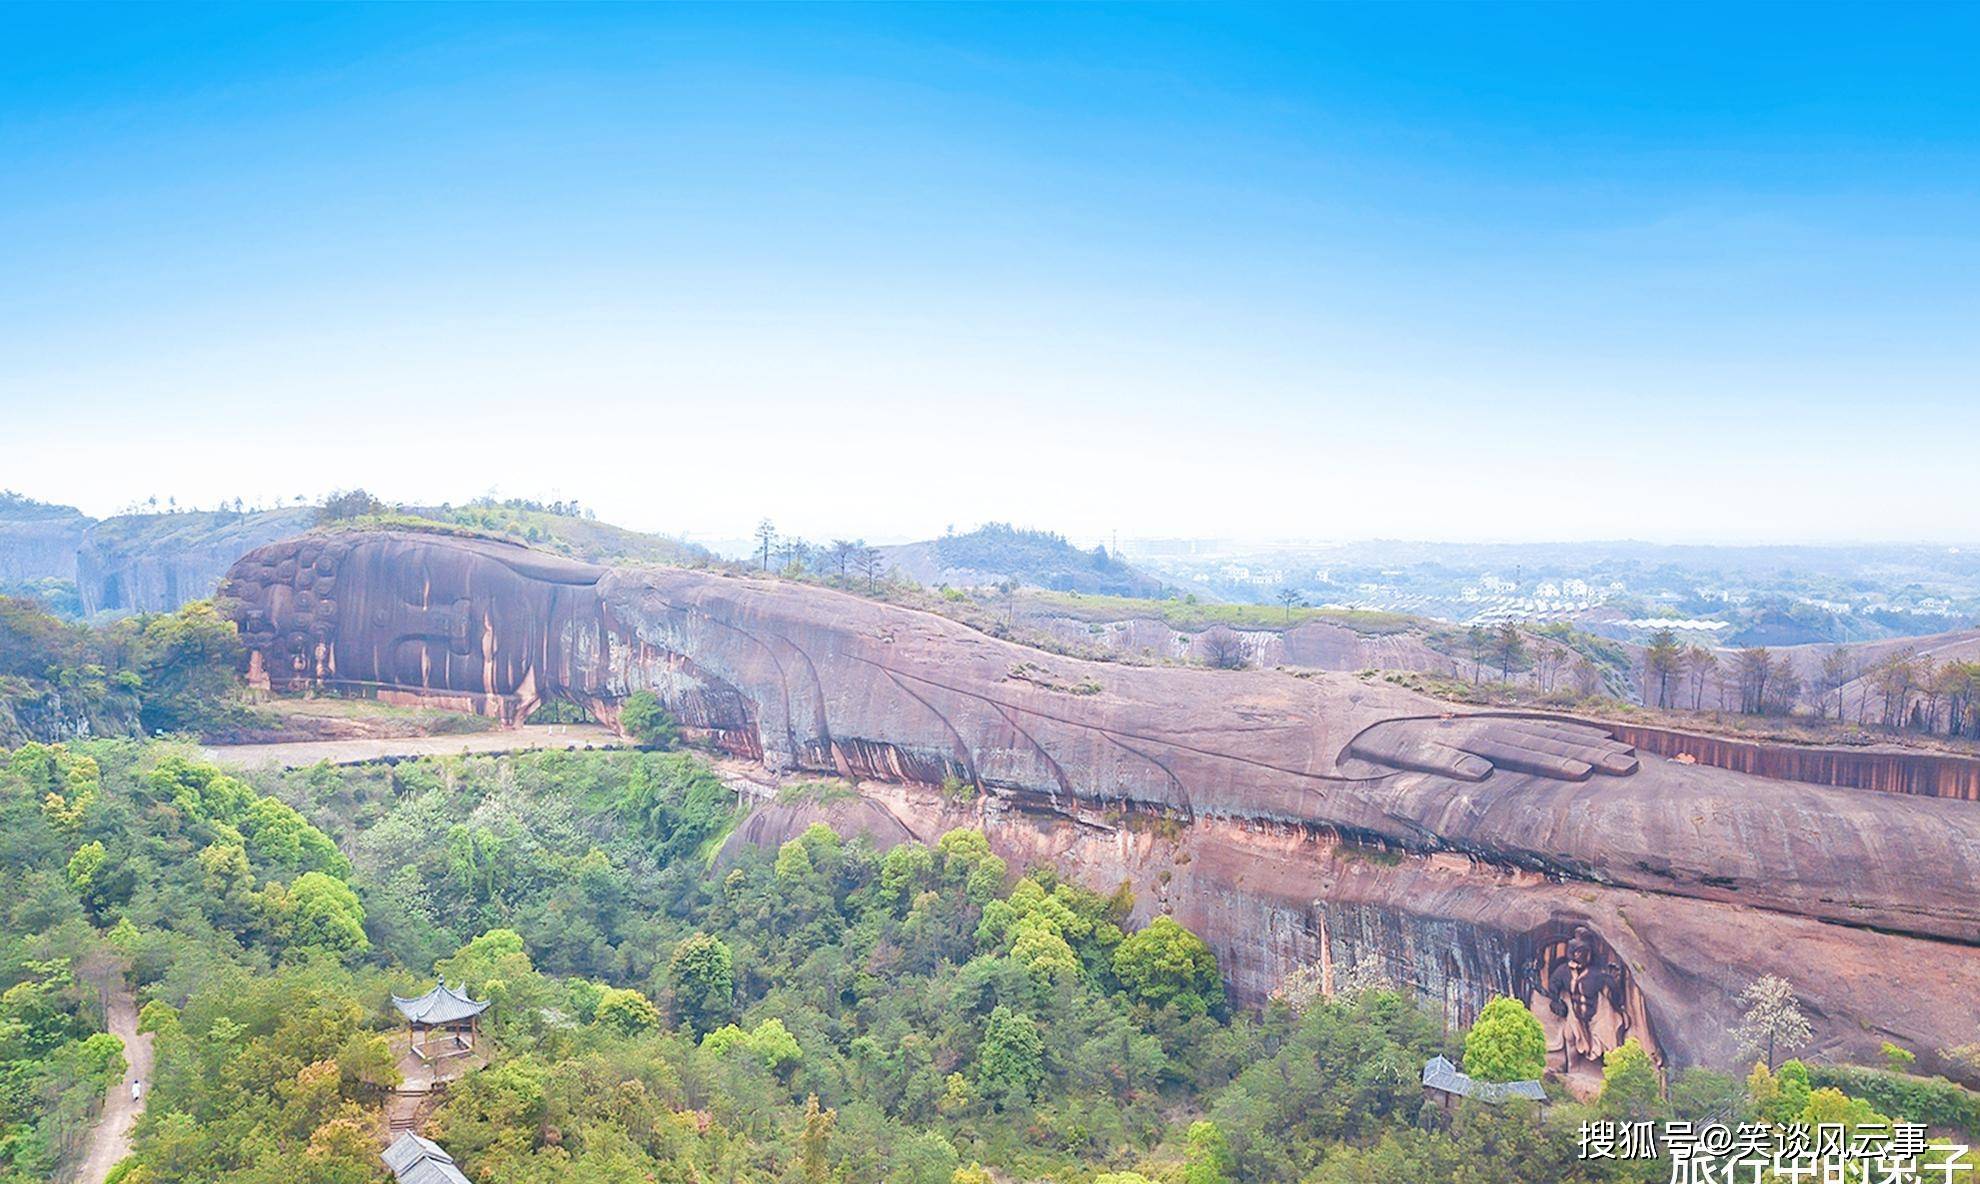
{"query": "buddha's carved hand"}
pixel 1470 747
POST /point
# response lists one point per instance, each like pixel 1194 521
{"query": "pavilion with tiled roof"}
pixel 446 1010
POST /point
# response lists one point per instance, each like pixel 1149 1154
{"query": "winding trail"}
pixel 110 1139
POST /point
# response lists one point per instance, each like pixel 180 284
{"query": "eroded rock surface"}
pixel 154 563
pixel 1310 645
pixel 1322 818
pixel 37 541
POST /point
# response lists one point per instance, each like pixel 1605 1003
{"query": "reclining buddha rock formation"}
pixel 1315 819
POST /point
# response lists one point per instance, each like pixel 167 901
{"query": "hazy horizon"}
pixel 1463 274
pixel 1124 541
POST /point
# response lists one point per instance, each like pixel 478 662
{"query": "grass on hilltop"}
pixel 1194 617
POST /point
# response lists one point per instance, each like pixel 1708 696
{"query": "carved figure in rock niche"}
pixel 1578 987
pixel 1582 994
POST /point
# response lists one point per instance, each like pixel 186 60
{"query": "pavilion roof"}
pixel 414 1160
pixel 1440 1074
pixel 442 1005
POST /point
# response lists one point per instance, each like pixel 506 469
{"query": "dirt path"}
pixel 302 753
pixel 416 1078
pixel 421 1085
pixel 110 1140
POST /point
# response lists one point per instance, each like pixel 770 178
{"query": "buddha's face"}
pixel 411 611
pixel 284 599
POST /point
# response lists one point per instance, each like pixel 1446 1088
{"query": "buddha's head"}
pixel 429 613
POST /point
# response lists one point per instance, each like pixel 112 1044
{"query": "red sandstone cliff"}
pixel 1301 819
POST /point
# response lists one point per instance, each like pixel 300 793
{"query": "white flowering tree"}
pixel 1773 1022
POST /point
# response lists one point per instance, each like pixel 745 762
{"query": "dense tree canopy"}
pixel 647 721
pixel 1506 1044
pixel 670 1004
pixel 232 911
pixel 1166 964
pixel 702 975
pixel 147 674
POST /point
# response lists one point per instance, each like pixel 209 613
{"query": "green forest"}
pixel 671 1006
pixel 147 674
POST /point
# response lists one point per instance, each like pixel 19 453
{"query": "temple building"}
pixel 1444 1083
pixel 414 1160
pixel 445 1016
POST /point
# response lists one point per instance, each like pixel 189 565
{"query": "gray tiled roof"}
pixel 413 1160
pixel 442 1005
pixel 1440 1074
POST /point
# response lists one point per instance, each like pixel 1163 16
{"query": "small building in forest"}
pixel 1444 1084
pixel 413 1160
pixel 444 1022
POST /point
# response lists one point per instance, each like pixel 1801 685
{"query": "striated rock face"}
pixel 38 542
pixel 1884 769
pixel 1314 818
pixel 153 563
pixel 774 823
pixel 1460 930
pixel 483 626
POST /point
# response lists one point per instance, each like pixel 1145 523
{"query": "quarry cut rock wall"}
pixel 1885 770
pixel 153 563
pixel 40 548
pixel 1292 820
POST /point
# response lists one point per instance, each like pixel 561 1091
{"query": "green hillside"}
pixel 1042 559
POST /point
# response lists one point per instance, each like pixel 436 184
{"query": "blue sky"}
pixel 1466 272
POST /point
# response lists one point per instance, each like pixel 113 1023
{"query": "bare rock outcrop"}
pixel 153 563
pixel 1323 818
pixel 38 541
pixel 1309 645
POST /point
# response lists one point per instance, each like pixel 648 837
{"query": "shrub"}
pixel 1506 1044
pixel 627 1010
pixel 1933 1101
pixel 648 722
pixel 1165 963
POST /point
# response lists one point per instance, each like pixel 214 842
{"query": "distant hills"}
pixel 1730 595
pixel 999 551
pixel 38 541
pixel 564 529
pixel 155 562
